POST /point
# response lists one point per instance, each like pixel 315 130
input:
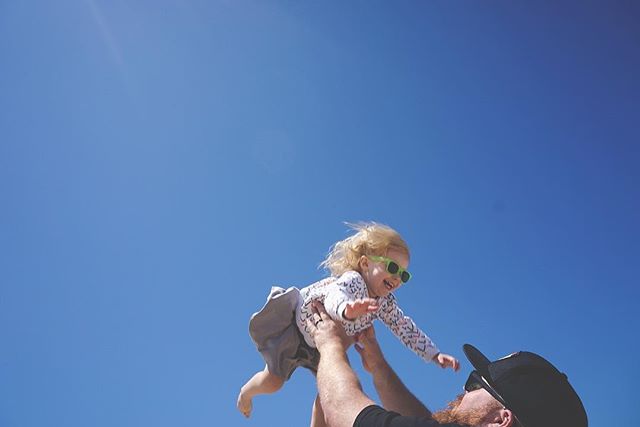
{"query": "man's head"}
pixel 522 389
pixel 476 409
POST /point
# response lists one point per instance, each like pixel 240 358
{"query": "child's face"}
pixel 380 282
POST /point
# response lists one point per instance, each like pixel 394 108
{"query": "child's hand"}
pixel 446 361
pixel 359 307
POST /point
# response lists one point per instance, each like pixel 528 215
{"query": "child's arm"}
pixel 360 307
pixel 407 331
pixel 347 299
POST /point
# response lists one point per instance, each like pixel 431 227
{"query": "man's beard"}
pixel 470 417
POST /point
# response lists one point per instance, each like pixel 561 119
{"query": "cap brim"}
pixel 477 359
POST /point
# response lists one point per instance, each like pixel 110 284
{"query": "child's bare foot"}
pixel 244 404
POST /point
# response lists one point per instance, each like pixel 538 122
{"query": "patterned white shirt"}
pixel 336 292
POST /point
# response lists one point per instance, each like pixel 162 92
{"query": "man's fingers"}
pixel 369 333
pixel 318 307
pixel 314 306
pixel 319 313
pixel 324 315
pixel 367 336
pixel 311 324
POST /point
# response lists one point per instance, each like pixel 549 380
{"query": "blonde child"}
pixel 366 268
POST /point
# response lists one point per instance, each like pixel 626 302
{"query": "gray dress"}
pixel 276 335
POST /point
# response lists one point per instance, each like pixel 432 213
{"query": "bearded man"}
pixel 519 390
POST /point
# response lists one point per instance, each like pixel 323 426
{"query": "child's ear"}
pixel 363 263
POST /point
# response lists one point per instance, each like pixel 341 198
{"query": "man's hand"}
pixel 325 331
pixel 338 386
pixel 369 349
pixel 360 307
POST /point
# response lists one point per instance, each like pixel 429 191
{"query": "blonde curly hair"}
pixel 370 238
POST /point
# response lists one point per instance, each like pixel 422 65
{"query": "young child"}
pixel 366 268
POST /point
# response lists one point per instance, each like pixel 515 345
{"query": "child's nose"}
pixel 395 280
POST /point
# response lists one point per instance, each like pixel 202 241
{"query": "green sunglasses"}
pixel 392 267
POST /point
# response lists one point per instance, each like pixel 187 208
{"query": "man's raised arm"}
pixel 395 396
pixel 340 391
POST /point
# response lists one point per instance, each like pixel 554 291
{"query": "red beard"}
pixel 471 417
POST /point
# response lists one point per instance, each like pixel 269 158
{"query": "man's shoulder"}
pixel 375 416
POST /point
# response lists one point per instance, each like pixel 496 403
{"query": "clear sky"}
pixel 163 163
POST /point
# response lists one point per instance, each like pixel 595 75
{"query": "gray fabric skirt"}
pixel 277 337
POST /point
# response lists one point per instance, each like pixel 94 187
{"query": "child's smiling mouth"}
pixel 388 285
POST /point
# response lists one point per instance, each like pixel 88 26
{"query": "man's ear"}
pixel 504 418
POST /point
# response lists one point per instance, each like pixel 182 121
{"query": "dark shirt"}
pixel 375 416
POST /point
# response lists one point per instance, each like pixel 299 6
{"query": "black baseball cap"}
pixel 531 387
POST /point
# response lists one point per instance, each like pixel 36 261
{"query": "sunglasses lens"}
pixel 473 382
pixel 471 385
pixel 392 267
pixel 405 276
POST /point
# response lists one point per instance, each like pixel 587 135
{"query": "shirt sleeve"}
pixel 406 329
pixel 348 287
pixel 375 416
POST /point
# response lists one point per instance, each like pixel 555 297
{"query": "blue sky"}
pixel 162 164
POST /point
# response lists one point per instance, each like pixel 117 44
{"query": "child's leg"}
pixel 317 414
pixel 263 382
